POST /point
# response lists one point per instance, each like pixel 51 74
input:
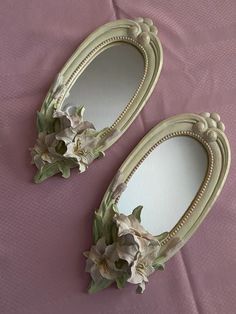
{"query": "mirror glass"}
pixel 166 183
pixel 107 84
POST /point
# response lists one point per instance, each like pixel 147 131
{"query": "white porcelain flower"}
pixel 142 266
pixel 76 143
pixel 81 148
pixel 101 261
pixel 72 117
pixel 44 150
pixel 133 248
pixel 136 246
pixel 129 225
pixel 79 136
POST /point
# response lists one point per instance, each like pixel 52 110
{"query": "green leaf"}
pixel 108 223
pixel 57 125
pixel 97 227
pixel 121 280
pixel 49 103
pixel 159 266
pixel 80 111
pixel 48 170
pixel 64 168
pixel 137 212
pixel 162 236
pixel 41 122
pixel 114 232
pixel 159 263
pixel 99 285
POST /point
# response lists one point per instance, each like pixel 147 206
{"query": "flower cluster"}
pixel 73 142
pixel 79 137
pixel 65 140
pixel 130 257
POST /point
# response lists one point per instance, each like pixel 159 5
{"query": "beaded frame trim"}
pixel 90 57
pixel 203 186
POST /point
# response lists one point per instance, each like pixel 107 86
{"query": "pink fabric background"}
pixel 45 228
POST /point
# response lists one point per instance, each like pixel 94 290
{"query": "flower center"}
pixel 104 265
pixel 45 154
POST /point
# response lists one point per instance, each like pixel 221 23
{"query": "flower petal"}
pixel 49 139
pixel 67 136
pixel 47 157
pixel 106 271
pixel 70 152
pixel 37 160
pixel 122 222
pixel 111 253
pixel 135 278
pixel 58 113
pixel 84 125
pixel 73 116
pixel 127 248
pixel 88 266
pixel 94 255
pixel 141 287
pixel 95 273
pixel 101 245
pixel 88 140
pixel 82 167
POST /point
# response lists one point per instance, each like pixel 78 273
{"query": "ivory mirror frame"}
pixel 140 33
pixel 208 130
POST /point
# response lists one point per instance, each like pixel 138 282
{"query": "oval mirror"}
pixel 158 199
pixel 96 96
pixel 108 84
pixel 166 183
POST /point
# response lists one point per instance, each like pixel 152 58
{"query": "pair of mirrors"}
pixel 176 172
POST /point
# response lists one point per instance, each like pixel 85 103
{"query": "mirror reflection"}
pixel 107 84
pixel 166 183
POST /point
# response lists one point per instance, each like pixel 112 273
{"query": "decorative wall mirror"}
pixel 175 173
pixel 96 96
